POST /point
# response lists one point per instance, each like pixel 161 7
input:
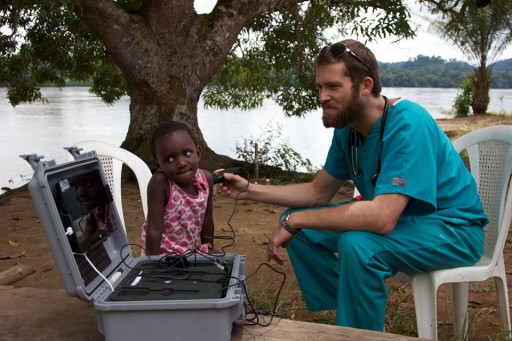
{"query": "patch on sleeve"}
pixel 399 182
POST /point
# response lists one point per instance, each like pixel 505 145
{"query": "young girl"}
pixel 180 215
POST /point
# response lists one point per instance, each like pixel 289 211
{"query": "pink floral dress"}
pixel 104 220
pixel 183 219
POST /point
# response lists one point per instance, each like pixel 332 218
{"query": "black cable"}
pixel 128 255
pixel 164 265
pixel 255 320
pixel 193 252
pixel 235 205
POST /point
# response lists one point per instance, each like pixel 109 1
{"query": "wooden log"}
pixel 284 330
pixel 15 273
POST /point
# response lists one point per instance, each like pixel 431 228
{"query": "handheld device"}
pixel 219 177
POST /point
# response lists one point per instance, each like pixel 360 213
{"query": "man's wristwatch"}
pixel 286 225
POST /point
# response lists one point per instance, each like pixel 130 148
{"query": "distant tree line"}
pixel 435 72
pixel 424 72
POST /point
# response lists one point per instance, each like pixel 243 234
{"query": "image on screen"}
pixel 85 208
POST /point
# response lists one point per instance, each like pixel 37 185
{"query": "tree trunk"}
pixel 167 54
pixel 145 115
pixel 480 97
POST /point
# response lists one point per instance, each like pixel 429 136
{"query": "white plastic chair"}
pixel 490 156
pixel 112 159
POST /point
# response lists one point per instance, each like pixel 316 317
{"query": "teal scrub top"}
pixel 417 160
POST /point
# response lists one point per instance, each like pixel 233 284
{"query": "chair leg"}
pixel 425 302
pixel 460 296
pixel 503 304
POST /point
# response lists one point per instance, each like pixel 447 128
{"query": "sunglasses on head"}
pixel 338 49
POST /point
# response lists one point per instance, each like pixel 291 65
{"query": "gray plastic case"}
pixel 128 320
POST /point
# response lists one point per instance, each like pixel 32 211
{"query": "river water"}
pixel 73 114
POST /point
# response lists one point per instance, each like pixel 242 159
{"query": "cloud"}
pixel 204 6
pixel 425 43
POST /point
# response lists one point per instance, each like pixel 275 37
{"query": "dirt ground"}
pixel 22 241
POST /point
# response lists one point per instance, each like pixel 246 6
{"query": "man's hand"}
pixel 233 186
pixel 280 238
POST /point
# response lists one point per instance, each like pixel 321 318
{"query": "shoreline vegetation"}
pixel 418 72
pixel 453 127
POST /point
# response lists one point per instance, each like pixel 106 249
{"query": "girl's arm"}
pixel 90 230
pixel 89 223
pixel 158 195
pixel 208 230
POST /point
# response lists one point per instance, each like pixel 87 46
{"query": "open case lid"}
pixel 80 221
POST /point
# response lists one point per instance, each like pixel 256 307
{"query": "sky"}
pixel 385 50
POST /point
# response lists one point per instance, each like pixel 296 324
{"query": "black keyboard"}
pixel 99 257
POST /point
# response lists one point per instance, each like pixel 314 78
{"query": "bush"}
pixel 274 151
pixel 463 100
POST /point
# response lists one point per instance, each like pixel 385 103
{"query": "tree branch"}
pixel 119 31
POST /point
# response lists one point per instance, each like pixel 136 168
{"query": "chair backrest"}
pixel 112 159
pixel 489 151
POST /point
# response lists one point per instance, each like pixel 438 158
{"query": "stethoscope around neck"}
pixel 354 143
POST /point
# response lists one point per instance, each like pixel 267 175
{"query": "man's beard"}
pixel 343 118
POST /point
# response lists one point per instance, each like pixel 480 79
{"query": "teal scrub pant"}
pixel 346 271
